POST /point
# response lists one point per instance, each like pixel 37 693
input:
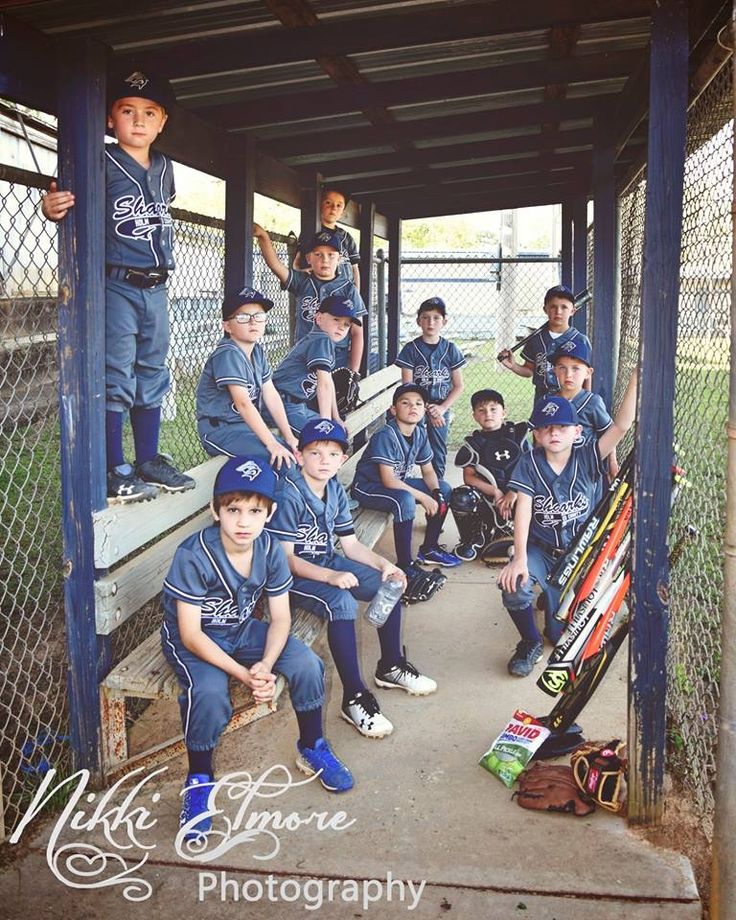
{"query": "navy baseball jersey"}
pixel 309 522
pixel 296 376
pixel 310 292
pixel 229 364
pixel 202 575
pixel 389 447
pixel 349 254
pixel 139 231
pixel 496 451
pixel 431 365
pixel 592 413
pixel 561 502
pixel 538 349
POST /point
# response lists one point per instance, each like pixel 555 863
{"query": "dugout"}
pixel 428 109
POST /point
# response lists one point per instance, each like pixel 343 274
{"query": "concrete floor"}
pixel 422 809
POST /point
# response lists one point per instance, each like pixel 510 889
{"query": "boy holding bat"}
pixel 559 305
pixel 556 484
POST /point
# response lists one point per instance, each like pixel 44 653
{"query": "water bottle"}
pixel 377 612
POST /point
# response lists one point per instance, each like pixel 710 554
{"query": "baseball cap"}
pixel 142 85
pixel 235 299
pixel 553 410
pixel 484 396
pixel 246 474
pixel 410 388
pixel 339 306
pixel 433 303
pixel 560 290
pixel 323 429
pixel 324 238
pixel 574 348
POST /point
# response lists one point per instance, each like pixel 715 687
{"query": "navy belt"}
pixel 549 548
pixel 293 400
pixel 138 277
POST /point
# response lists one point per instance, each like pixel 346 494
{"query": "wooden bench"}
pixel 121 531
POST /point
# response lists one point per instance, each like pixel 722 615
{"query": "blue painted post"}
pixel 580 257
pixel 566 243
pixel 393 302
pixel 81 348
pixel 604 256
pixel 367 223
pixel 660 291
pixel 310 217
pixel 381 306
pixel 239 190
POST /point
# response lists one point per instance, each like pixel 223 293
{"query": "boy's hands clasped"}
pixel 260 681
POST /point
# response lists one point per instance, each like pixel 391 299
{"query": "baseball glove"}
pixel 551 787
pixel 599 770
pixel 347 390
pixel 422 585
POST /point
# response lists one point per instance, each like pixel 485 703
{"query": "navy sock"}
pixel 200 762
pixel 402 539
pixel 344 648
pixel 310 727
pixel 524 621
pixel 114 438
pixel 146 425
pixel 389 635
pixel 434 526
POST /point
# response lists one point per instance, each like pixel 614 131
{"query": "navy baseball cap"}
pixel 560 290
pixel 574 348
pixel 138 84
pixel 553 410
pixel 323 429
pixel 433 303
pixel 324 238
pixel 339 306
pixel 235 299
pixel 410 388
pixel 246 474
pixel 484 396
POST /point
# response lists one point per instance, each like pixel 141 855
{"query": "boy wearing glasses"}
pixel 236 385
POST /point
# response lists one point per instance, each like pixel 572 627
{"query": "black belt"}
pixel 549 548
pixel 138 277
pixel 292 399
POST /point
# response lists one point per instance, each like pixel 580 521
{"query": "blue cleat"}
pixel 438 556
pixel 197 790
pixel 320 760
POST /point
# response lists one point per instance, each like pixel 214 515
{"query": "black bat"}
pixel 581 300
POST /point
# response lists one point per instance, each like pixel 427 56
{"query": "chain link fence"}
pixel 491 304
pixel 701 412
pixel 33 679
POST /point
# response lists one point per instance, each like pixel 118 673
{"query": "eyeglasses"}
pixel 244 318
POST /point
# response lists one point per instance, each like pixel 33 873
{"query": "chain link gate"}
pixel 491 304
pixel 701 412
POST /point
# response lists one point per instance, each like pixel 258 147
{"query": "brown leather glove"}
pixel 599 770
pixel 551 787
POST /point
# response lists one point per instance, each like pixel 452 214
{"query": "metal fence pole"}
pixel 654 435
pixel 81 373
pixel 381 305
pixel 723 880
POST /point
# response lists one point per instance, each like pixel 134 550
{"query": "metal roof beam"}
pixel 438 87
pixel 445 205
pixel 194 56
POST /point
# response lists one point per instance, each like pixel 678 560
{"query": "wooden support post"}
pixel 310 217
pixel 604 254
pixel 660 291
pixel 381 306
pixel 393 303
pixel 367 221
pixel 580 257
pixel 81 342
pixel 566 243
pixel 239 190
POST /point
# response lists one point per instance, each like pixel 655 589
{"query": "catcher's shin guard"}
pixel 422 585
pixel 465 507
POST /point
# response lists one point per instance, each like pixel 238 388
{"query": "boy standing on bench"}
pixel 209 634
pixel 312 508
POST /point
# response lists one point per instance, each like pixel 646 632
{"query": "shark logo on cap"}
pixel 325 427
pixel 137 79
pixel 249 470
pixel 550 409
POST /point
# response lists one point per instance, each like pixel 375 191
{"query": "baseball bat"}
pixel 581 299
